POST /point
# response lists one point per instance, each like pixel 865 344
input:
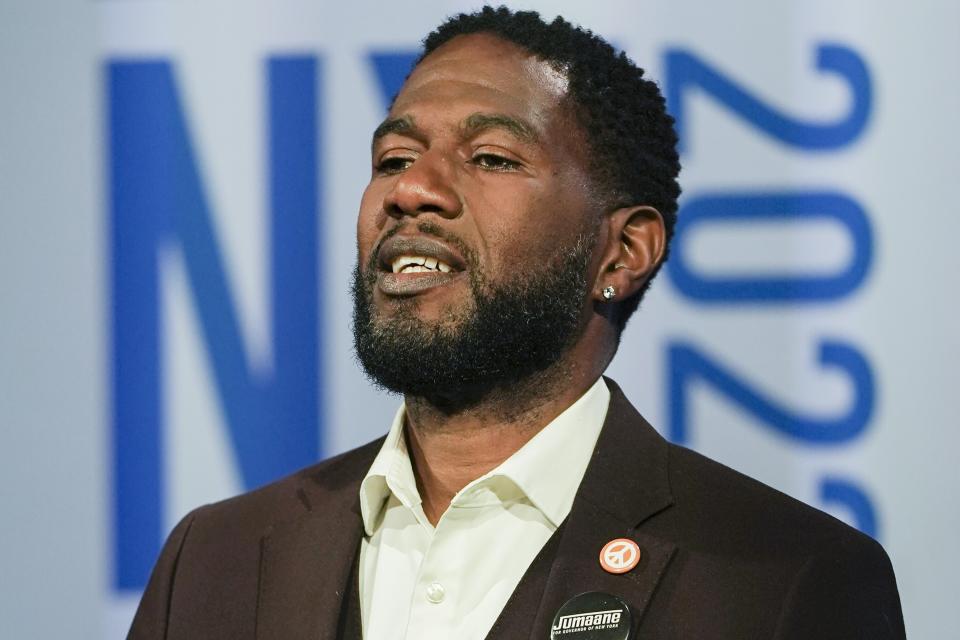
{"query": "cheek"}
pixel 525 237
pixel 370 220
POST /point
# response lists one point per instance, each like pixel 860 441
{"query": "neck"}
pixel 451 448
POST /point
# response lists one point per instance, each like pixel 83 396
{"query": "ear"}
pixel 636 241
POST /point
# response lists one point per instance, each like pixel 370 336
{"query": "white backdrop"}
pixel 803 334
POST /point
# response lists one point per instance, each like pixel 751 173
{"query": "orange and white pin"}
pixel 620 555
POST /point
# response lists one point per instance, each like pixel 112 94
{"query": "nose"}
pixel 426 186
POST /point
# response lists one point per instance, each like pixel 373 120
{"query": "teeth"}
pixel 419 264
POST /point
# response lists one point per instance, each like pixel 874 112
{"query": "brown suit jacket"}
pixel 723 556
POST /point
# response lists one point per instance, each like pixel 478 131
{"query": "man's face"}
pixel 477 220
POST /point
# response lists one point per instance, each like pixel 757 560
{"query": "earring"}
pixel 609 293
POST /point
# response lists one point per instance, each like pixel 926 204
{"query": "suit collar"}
pixel 626 484
pixel 628 476
pixel 305 563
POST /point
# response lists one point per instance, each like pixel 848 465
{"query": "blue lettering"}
pixel 720 208
pixel 391 69
pixel 686 364
pixel 845 493
pixel 156 197
pixel 686 71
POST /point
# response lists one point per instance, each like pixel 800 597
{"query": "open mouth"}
pixel 419 264
pixel 409 265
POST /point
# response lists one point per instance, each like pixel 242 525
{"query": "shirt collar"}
pixel 547 469
pixel 391 471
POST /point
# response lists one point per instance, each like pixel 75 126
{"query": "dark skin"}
pixel 481 143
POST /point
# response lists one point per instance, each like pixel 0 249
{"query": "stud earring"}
pixel 609 293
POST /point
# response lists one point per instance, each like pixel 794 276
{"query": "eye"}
pixel 394 164
pixel 494 162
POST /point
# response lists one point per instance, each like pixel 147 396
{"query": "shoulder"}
pixel 331 484
pixel 709 505
pixel 743 511
pixel 773 565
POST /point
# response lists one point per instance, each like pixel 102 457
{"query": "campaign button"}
pixel 620 555
pixel 592 616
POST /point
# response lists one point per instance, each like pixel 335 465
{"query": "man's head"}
pixel 533 167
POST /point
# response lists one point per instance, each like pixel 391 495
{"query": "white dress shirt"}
pixel 420 582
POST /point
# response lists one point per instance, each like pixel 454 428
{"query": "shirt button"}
pixel 435 592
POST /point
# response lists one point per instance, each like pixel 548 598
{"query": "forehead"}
pixel 482 72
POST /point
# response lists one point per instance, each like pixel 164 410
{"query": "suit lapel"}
pixel 305 564
pixel 577 567
pixel 625 484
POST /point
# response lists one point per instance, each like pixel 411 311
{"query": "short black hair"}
pixel 633 145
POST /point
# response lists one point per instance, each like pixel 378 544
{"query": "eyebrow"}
pixel 471 126
pixel 478 122
pixel 400 125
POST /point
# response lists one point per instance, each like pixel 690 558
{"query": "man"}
pixel 522 197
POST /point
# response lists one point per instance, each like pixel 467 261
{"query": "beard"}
pixel 506 333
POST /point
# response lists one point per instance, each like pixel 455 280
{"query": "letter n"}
pixel 156 197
